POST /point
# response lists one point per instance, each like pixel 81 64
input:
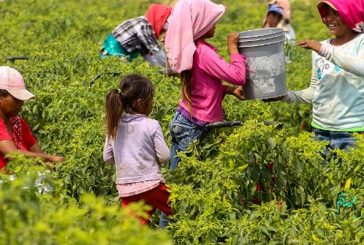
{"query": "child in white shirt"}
pixel 136 145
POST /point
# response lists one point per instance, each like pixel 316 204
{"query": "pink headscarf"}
pixel 351 12
pixel 190 20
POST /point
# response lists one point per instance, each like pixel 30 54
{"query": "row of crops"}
pixel 262 182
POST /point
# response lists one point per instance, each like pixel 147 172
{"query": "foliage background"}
pixel 215 187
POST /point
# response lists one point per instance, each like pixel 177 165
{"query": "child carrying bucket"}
pixel 136 145
pixel 140 36
pixel 201 70
pixel 336 90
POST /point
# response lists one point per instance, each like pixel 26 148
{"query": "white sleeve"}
pixel 161 148
pixel 350 63
pixel 108 153
pixel 305 95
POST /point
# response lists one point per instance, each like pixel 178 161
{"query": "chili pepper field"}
pixel 263 182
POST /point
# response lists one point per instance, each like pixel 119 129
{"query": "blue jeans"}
pixel 183 133
pixel 336 139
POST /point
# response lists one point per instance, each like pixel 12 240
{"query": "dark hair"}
pixel 132 88
pixel 3 92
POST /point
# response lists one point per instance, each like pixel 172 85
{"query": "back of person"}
pixel 202 70
pixel 207 90
pixel 140 35
pixel 134 149
pixel 135 144
pixel 136 35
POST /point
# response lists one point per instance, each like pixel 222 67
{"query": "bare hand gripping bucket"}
pixel 264 51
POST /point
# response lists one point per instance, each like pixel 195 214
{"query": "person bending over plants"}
pixel 135 144
pixel 140 36
pixel 15 134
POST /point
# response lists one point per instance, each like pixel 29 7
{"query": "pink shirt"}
pixel 207 90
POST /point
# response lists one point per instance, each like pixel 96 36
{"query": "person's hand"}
pixel 51 160
pixel 163 38
pixel 55 159
pixel 232 42
pixel 239 93
pixel 310 44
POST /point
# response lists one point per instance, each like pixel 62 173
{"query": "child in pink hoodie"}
pixel 201 70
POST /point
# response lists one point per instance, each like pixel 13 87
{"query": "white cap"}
pixel 12 81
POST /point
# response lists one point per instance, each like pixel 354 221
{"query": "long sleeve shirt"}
pixel 336 90
pixel 207 90
pixel 137 150
pixel 137 34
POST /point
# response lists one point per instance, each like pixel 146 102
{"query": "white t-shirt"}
pixel 336 90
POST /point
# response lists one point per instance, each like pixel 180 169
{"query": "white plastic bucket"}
pixel 264 51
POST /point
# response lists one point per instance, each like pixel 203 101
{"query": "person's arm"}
pixel 350 63
pixel 161 148
pixel 47 157
pixel 305 95
pixel 7 147
pixel 216 66
pixel 108 154
pixel 35 148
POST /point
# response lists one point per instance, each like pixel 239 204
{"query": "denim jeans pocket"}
pixel 183 131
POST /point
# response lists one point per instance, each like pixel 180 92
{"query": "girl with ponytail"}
pixel 135 144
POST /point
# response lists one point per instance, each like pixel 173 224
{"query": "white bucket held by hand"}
pixel 264 52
